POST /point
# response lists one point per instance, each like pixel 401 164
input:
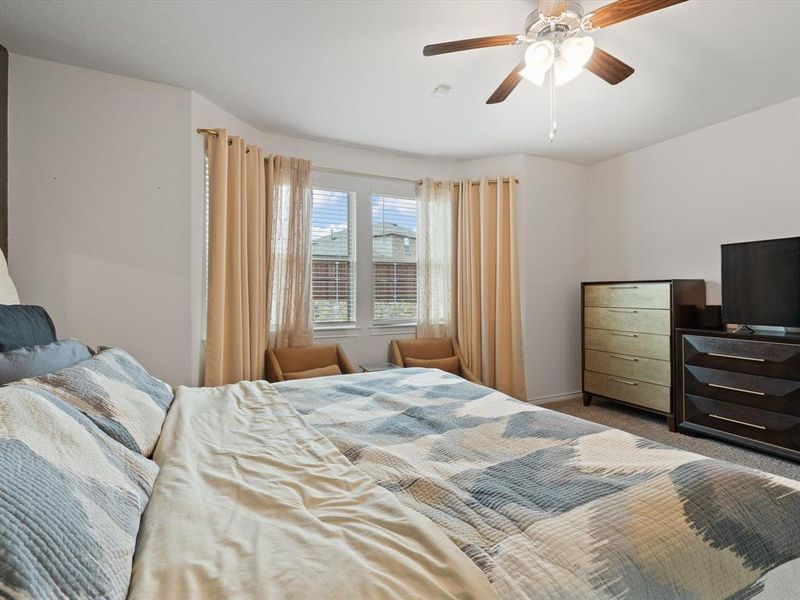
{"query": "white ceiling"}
pixel 354 71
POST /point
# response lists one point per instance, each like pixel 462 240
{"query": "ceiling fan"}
pixel 556 47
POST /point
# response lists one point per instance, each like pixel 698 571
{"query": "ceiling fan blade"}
pixel 607 67
pixel 470 44
pixel 507 86
pixel 622 10
pixel 552 8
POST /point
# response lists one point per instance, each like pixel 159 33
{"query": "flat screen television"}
pixel 761 283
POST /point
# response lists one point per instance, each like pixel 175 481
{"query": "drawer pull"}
pixel 735 389
pixel 745 423
pixel 623 381
pixel 624 287
pixel 622 310
pixel 633 335
pixel 629 358
pixel 736 357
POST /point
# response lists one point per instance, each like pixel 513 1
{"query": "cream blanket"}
pixel 252 502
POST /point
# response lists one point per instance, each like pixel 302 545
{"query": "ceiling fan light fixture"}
pixel 553 33
pixel 577 50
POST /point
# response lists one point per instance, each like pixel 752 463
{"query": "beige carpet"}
pixel 654 428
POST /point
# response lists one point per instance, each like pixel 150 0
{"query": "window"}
pixel 394 259
pixel 332 257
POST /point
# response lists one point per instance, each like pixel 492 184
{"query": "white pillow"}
pixel 8 292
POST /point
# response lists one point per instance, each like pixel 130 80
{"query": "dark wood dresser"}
pixel 741 387
pixel 628 350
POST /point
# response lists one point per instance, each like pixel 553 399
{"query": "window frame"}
pixel 352 232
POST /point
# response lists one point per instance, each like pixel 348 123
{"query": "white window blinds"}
pixel 332 257
pixel 394 259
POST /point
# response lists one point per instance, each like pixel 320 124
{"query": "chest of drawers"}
pixel 628 329
pixel 742 388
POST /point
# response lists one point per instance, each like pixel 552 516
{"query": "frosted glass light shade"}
pixel 534 75
pixel 540 54
pixel 565 71
pixel 577 50
pixel 538 60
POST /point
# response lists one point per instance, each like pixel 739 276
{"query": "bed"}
pixel 543 505
pixel 409 483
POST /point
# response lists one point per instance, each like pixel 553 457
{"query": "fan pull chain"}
pixel 553 124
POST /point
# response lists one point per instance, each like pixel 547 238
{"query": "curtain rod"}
pixel 490 180
pixel 215 133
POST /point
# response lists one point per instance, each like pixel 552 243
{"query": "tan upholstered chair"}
pixel 439 353
pixel 303 362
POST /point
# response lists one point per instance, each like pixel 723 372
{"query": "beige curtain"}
pixel 435 249
pixel 236 330
pixel 289 284
pixel 487 294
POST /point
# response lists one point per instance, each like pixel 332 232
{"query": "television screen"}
pixel 761 283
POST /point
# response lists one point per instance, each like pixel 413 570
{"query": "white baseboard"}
pixel 555 398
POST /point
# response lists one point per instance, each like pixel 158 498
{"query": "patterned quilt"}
pixel 551 506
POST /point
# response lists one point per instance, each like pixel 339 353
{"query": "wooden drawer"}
pixel 628 295
pixel 757 424
pixel 629 367
pixel 624 342
pixel 656 397
pixel 768 393
pixel 744 356
pixel 637 320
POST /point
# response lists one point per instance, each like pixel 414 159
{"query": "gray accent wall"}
pixel 4 150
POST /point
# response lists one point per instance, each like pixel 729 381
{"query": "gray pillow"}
pixel 41 360
pixel 23 326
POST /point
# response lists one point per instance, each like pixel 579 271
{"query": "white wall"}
pixel 551 226
pixel 99 180
pixel 663 211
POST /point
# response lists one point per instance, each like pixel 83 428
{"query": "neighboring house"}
pixel 394 243
pixel 395 266
pixel 331 268
pixel 390 242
